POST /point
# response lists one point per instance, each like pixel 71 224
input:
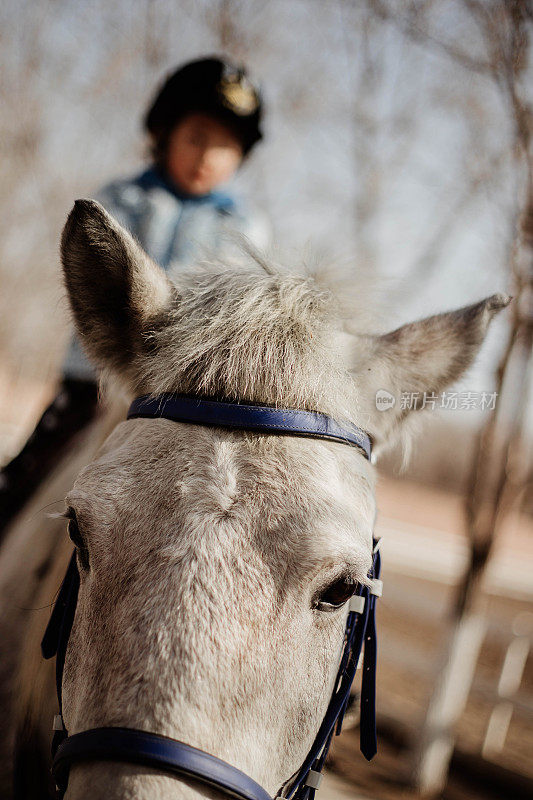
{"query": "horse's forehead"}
pixel 319 491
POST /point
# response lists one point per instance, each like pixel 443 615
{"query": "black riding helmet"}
pixel 213 86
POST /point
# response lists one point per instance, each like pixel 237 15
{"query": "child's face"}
pixel 202 153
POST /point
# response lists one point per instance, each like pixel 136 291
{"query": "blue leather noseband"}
pixel 156 751
pixel 176 758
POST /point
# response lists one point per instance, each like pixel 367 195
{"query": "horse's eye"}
pixel 77 540
pixel 335 595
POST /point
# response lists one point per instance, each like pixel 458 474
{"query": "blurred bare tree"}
pixel 348 91
pixel 501 467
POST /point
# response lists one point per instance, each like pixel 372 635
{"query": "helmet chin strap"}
pixel 173 757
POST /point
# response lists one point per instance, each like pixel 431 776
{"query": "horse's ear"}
pixel 117 293
pixel 398 372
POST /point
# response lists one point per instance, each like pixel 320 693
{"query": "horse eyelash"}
pixel 59 514
pixel 67 514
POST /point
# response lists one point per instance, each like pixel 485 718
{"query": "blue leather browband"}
pixel 250 417
pixel 177 758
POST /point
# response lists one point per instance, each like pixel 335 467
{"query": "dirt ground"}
pixel 386 777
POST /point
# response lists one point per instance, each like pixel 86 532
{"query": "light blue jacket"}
pixel 175 230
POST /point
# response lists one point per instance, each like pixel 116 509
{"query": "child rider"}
pixel 202 123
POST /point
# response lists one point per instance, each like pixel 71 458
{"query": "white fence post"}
pixel 513 667
pixel 447 702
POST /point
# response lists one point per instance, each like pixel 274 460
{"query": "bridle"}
pixel 168 755
pixel 175 757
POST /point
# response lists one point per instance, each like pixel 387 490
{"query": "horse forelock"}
pixel 248 335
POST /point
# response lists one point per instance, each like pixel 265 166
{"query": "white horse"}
pixel 214 563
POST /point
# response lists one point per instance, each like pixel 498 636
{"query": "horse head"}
pixel 216 564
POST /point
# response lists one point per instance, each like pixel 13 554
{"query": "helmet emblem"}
pixel 238 94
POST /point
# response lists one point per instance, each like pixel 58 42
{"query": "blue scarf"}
pixel 154 176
